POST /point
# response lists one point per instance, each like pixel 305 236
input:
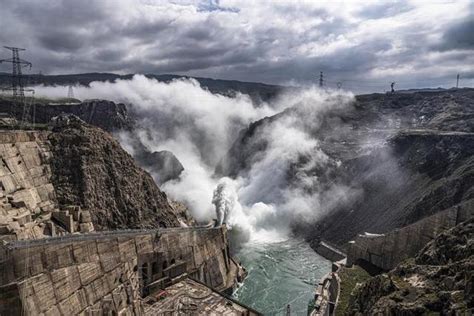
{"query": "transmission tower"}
pixel 457 81
pixel 321 79
pixel 70 92
pixel 17 84
pixel 16 77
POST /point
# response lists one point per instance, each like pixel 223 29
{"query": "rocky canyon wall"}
pixel 75 178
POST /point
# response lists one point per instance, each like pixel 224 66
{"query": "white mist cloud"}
pixel 184 118
pixel 280 188
pixel 199 128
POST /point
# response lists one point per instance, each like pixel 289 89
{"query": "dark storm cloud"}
pixel 61 41
pixel 459 36
pixel 145 30
pixel 110 55
pixel 268 41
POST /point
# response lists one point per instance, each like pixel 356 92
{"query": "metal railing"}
pixel 98 235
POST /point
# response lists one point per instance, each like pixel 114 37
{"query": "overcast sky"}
pixel 363 44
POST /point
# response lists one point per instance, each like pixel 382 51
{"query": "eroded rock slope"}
pixel 92 170
pixel 400 157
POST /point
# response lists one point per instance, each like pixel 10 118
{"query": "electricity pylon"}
pixel 70 92
pixel 17 86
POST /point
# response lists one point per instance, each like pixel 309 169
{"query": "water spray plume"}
pixel 199 127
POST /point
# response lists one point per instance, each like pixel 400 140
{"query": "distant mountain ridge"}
pixel 257 91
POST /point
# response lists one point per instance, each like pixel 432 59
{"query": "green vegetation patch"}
pixel 350 277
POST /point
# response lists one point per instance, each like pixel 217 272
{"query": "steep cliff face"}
pixel 246 147
pixel 439 280
pixel 162 165
pixel 423 174
pixel 406 155
pixel 344 131
pixel 90 169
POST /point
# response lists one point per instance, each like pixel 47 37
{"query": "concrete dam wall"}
pixel 99 273
pixel 57 188
pixel 385 251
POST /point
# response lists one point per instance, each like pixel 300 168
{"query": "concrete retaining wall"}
pixel 329 252
pixel 327 293
pixel 387 250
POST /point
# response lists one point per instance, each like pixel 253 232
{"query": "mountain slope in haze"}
pixel 107 115
pixel 404 156
pixel 257 91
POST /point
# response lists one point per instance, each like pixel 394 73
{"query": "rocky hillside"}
pixel 104 114
pixel 402 157
pixel 438 281
pixel 110 116
pixel 162 165
pixel 91 169
pixel 425 172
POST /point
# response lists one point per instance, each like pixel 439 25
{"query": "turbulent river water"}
pixel 279 274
